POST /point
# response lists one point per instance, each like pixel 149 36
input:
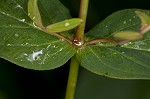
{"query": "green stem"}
pixel 79 36
pixel 78 41
pixel 72 80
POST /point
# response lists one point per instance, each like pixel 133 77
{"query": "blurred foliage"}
pixel 20 83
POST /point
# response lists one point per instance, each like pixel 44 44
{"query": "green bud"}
pixel 128 35
pixel 144 17
pixel 64 25
pixel 34 13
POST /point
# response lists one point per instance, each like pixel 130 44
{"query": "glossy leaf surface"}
pixel 118 21
pixel 24 44
pixel 64 25
pixel 127 61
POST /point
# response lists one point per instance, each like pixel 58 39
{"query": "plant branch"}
pixel 79 36
pixel 77 41
pixel 72 80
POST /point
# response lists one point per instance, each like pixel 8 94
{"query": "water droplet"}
pixel 48 46
pixel 54 46
pixel 33 18
pixel 36 26
pixel 128 43
pixel 8 44
pixel 134 17
pixel 114 53
pixel 67 24
pixel 16 35
pixel 138 44
pixel 27 44
pixel 62 40
pixel 77 43
pixel 61 49
pixel 130 19
pixel 148 49
pixel 35 56
pixel 3 13
pixel 124 22
pixel 106 26
pixel 25 54
pixel 22 20
pixel 29 14
pixel 122 52
pixel 19 6
pixel 10 25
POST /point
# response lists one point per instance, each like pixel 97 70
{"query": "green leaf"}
pixel 34 13
pixel 64 25
pixel 53 11
pixel 124 20
pixel 127 61
pixel 116 62
pixel 128 35
pixel 27 46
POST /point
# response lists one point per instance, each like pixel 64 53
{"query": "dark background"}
pixel 19 83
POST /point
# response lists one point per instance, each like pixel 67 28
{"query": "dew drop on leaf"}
pixel 16 35
pixel 22 20
pixel 122 52
pixel 79 43
pixel 61 49
pixel 134 17
pixel 62 40
pixel 124 22
pixel 35 25
pixel 138 44
pixel 67 24
pixel 35 56
pixel 19 6
pixel 114 53
pixel 128 43
pixel 8 44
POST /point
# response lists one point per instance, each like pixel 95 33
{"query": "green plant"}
pixel 31 37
